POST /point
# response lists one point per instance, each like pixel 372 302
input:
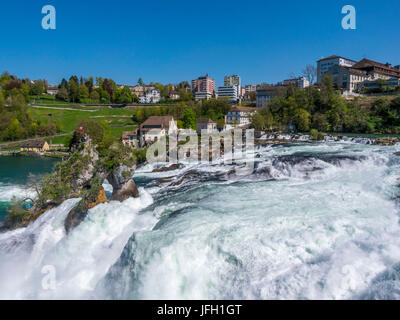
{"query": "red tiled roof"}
pixel 156 122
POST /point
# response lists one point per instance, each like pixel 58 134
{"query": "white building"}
pixel 323 65
pixel 240 116
pixel 232 92
pixel 250 88
pixel 156 127
pixel 300 82
pixel 151 96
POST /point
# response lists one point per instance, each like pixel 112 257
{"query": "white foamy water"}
pixel 7 191
pixel 313 221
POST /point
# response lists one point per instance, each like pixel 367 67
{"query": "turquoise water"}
pixel 14 175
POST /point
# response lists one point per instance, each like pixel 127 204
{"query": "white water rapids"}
pixel 314 221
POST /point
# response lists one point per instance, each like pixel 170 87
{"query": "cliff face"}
pixel 82 176
pixel 90 180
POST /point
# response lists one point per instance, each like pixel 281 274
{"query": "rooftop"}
pixel 156 122
pixel 33 144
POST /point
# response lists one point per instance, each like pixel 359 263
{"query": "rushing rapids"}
pixel 313 221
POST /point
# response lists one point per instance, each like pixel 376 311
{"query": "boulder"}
pixel 123 185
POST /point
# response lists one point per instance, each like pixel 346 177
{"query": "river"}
pixel 15 172
pixel 313 221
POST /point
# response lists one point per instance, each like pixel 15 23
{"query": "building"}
pixel 130 138
pixel 266 93
pixel 347 79
pixel 173 95
pixel 156 127
pixel 233 80
pixel 151 96
pixel 53 91
pixel 206 124
pixel 203 87
pixel 232 92
pixel 250 88
pixel 300 82
pixel 351 76
pixel 240 116
pixel 379 84
pixel 377 70
pixel 35 146
pixel 323 65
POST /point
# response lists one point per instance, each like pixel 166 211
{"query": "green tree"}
pixel 189 119
pixel 257 121
pixel 83 93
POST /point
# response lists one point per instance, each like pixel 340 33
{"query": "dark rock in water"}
pixel 164 180
pixel 123 185
pixel 126 191
pixel 170 168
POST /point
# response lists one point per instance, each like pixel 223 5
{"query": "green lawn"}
pixel 70 118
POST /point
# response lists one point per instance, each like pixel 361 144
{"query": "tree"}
pixel 302 119
pixel 310 73
pixel 73 89
pixel 140 82
pixel 189 119
pixel 94 96
pixel 83 93
pixel 62 94
pixel 257 121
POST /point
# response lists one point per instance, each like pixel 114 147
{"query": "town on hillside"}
pixel 336 95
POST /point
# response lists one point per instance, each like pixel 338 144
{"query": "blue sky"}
pixel 171 41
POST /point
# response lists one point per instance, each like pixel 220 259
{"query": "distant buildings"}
pixel 53 91
pixel 323 65
pixel 349 75
pixel 232 88
pixel 240 116
pixel 173 95
pixel 250 88
pixel 300 82
pixel 206 124
pixel 265 93
pixel 36 146
pixel 203 88
pixel 151 96
pixel 231 92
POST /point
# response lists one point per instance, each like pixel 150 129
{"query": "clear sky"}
pixel 171 41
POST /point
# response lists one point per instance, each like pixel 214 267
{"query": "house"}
pixel 53 91
pixel 206 124
pixel 130 138
pixel 173 95
pixel 240 116
pixel 35 146
pixel 156 127
pixel 151 96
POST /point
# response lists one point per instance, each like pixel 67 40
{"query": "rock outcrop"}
pixel 123 185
